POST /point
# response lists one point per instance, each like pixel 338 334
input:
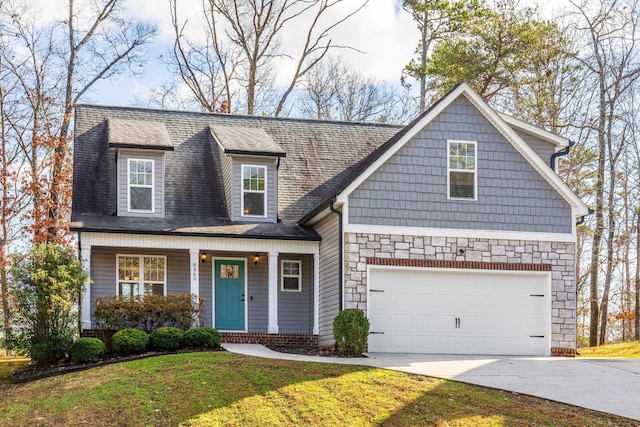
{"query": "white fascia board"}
pixel 461 233
pixel 322 214
pixel 494 118
pixel 545 135
pixel 212 244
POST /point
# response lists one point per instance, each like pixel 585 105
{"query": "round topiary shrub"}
pixel 87 350
pixel 166 338
pixel 351 331
pixel 130 341
pixel 202 337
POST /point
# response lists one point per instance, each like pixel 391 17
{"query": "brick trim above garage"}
pixel 469 265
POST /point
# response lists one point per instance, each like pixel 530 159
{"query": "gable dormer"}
pixel 249 159
pixel 140 148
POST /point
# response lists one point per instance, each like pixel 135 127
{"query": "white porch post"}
pixel 316 293
pixel 272 327
pixel 194 287
pixel 85 306
pixel 194 277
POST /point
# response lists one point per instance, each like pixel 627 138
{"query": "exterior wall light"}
pixel 256 259
pixel 203 257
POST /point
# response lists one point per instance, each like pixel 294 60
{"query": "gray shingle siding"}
pixel 329 276
pixel 410 189
pixel 226 163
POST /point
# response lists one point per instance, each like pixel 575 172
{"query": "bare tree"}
pixel 241 46
pixel 610 54
pixel 336 91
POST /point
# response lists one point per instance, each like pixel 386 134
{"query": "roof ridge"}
pixel 238 116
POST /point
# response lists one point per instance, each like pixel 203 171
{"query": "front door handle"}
pixel 242 299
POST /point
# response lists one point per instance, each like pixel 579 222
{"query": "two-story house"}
pixel 454 233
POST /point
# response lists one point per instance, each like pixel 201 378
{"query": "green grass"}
pixel 625 349
pixel 219 388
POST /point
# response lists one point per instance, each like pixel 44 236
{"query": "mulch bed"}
pixel 312 351
pixel 32 372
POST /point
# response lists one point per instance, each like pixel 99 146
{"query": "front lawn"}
pixel 624 349
pixel 219 388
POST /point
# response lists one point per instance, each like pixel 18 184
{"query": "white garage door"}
pixel 414 310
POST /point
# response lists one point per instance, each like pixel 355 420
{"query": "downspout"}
pixel 340 267
pixel 561 153
pixel 581 220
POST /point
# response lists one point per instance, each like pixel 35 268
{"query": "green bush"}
pixel 166 338
pixel 351 331
pixel 130 341
pixel 147 313
pixel 202 337
pixel 45 288
pixel 87 350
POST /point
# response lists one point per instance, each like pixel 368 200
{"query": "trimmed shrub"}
pixel 148 313
pixel 202 337
pixel 166 338
pixel 351 331
pixel 87 350
pixel 130 341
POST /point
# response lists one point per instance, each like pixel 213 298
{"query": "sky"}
pixel 384 38
pixel 384 35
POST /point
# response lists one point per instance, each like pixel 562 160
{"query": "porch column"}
pixel 272 327
pixel 194 287
pixel 85 305
pixel 316 293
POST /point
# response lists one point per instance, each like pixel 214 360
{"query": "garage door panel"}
pixel 454 311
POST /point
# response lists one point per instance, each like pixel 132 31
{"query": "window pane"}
pixel 461 185
pixel 140 198
pixel 254 203
pixel 290 283
pixel 127 268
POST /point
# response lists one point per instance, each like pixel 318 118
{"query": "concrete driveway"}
pixel 607 385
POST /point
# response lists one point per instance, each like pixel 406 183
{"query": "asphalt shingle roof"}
pixel 319 155
pixel 241 140
pixel 138 134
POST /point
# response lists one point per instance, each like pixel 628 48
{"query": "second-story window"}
pixel 254 194
pixel 141 186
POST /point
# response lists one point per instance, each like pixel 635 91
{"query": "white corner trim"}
pixel 510 135
pixel 462 233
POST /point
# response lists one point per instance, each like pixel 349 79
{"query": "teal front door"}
pixel 229 294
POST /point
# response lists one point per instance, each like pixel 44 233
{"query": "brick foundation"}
pixel 276 340
pixel 564 352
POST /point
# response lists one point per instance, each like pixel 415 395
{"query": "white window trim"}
pixel 242 190
pixel 475 171
pixel 141 276
pixel 298 276
pixel 153 184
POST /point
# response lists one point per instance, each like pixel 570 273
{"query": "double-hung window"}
pixel 254 190
pixel 462 170
pixel 291 276
pixel 141 275
pixel 140 191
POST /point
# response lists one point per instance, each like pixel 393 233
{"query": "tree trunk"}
pixel 637 302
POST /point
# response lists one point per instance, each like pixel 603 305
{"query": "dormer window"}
pixel 254 194
pixel 140 191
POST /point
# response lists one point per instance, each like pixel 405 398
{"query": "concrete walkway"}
pixel 607 385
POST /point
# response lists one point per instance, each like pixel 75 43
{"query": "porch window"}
pixel 141 275
pixel 254 194
pixel 291 276
pixel 140 194
pixel 462 170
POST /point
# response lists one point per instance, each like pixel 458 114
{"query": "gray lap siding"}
pixel 295 309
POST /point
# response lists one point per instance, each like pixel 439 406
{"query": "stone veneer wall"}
pixel 559 255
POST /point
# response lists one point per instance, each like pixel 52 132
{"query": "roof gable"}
pixel 380 156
